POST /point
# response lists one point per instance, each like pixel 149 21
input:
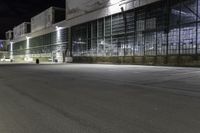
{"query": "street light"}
pixel 11 50
pixel 27 48
pixel 58 50
pixel 59 28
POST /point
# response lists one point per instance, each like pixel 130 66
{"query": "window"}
pixel 118 24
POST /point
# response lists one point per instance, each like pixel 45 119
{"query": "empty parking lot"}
pixel 86 98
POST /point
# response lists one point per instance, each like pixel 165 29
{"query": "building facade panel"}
pixel 50 46
pixel 163 29
pixel 149 32
pixel 21 30
pixel 47 18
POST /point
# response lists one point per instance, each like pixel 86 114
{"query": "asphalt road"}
pixel 82 98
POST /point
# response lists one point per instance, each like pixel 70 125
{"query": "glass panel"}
pixel 117 24
pixel 130 22
pixel 198 39
pixel 161 43
pixel 150 43
pixel 188 11
pixel 139 46
pixel 140 27
pixel 130 45
pixel 117 46
pixel 101 47
pixel 101 28
pixel 175 13
pixel 188 39
pixel 79 40
pixel 94 39
pixel 173 41
pixel 108 26
pixel 108 46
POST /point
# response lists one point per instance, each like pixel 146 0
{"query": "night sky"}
pixel 14 12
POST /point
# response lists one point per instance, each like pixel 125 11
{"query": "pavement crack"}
pixel 60 111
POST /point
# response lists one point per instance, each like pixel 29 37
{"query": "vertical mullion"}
pixel 197 26
pixel 179 46
pixel 134 41
pixel 144 42
pixel 104 32
pixel 168 28
pixel 111 30
pixel 157 37
pixel 97 37
pixel 87 40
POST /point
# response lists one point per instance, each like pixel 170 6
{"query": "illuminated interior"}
pixel 163 28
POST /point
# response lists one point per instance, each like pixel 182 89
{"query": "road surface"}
pixel 83 98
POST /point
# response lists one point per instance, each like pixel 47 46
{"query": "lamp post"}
pixel 27 48
pixel 11 50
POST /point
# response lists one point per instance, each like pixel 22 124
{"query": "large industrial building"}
pixel 163 32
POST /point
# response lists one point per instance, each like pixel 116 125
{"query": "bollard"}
pixel 37 61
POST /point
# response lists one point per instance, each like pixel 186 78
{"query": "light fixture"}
pixel 59 28
pixel 27 37
pixel 27 57
pixel 11 50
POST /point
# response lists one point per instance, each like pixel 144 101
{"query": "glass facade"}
pixel 165 28
pixel 47 44
pixel 170 27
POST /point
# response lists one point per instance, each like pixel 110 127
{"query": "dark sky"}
pixel 14 12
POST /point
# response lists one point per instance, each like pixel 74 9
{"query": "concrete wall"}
pixel 112 7
pixel 76 8
pixel 42 20
pixel 21 29
pixel 79 7
pixel 20 58
pixel 9 35
pixel 46 19
pixel 187 60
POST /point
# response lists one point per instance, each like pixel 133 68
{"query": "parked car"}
pixel 7 60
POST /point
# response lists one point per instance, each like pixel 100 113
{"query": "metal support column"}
pixel 125 29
